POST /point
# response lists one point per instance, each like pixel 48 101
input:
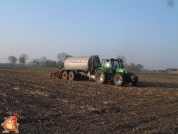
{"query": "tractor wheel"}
pixel 65 75
pixel 71 75
pixel 119 79
pixel 134 83
pixel 100 77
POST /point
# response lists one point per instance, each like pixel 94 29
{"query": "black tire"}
pixel 119 79
pixel 134 83
pixel 100 77
pixel 71 75
pixel 65 75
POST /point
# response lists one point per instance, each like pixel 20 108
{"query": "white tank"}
pixel 84 63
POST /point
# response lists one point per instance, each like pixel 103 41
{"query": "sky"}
pixel 144 31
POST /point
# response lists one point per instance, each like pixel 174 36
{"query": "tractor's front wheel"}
pixel 119 79
pixel 100 77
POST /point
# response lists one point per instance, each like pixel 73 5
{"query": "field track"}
pixel 43 105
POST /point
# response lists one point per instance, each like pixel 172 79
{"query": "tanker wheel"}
pixel 119 79
pixel 71 75
pixel 100 77
pixel 64 75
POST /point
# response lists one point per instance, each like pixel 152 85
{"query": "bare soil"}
pixel 43 105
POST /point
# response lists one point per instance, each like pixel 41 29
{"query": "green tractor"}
pixel 113 70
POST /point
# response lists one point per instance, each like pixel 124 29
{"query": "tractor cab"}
pixel 112 63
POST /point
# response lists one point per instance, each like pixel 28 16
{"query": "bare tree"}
pixel 43 60
pixel 62 57
pixel 139 67
pixel 37 62
pixel 132 66
pixel 33 62
pixel 121 57
pixel 23 58
pixel 50 63
pixel 12 60
pixel 68 56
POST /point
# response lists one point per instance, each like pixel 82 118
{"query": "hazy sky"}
pixel 144 31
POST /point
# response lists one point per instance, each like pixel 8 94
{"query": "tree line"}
pixel 131 66
pixel 22 59
pixel 44 62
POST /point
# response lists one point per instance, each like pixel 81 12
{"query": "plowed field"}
pixel 52 106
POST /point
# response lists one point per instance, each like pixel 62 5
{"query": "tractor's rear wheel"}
pixel 119 79
pixel 65 75
pixel 100 77
pixel 71 75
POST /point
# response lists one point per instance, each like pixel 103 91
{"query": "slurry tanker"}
pixel 91 67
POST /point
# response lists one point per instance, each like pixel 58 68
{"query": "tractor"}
pixel 113 70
